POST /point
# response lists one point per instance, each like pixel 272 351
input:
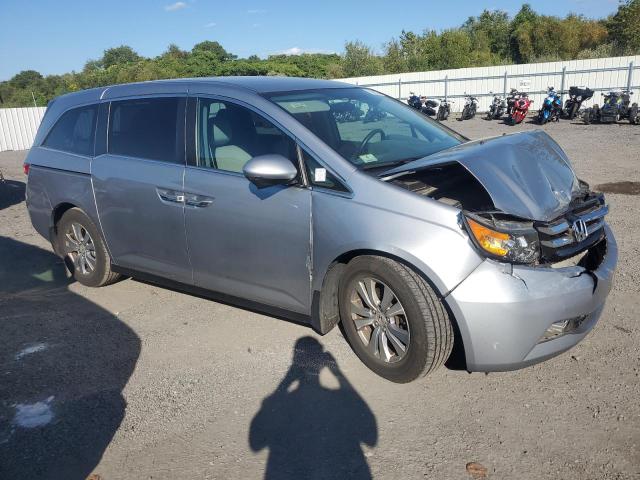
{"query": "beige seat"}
pixel 234 135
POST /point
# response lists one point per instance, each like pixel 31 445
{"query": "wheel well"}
pixel 56 215
pixel 59 211
pixel 325 311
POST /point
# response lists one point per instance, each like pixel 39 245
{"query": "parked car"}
pixel 414 238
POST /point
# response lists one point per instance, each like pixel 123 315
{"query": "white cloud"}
pixel 256 11
pixel 300 51
pixel 175 6
pixel 210 24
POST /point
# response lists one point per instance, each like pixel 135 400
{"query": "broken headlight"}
pixel 506 240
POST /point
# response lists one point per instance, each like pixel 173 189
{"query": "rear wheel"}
pixel 633 114
pixel 393 319
pixel 84 252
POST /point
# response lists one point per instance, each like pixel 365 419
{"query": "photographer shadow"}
pixel 64 362
pixel 313 431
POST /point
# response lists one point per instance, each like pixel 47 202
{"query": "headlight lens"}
pixel 518 244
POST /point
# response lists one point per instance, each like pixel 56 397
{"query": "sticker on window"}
pixel 320 175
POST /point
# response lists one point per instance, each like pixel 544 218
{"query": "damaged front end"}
pixel 550 254
pixel 520 200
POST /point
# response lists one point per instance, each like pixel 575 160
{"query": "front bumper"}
pixel 503 310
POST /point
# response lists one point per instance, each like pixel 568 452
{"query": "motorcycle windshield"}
pixel 525 174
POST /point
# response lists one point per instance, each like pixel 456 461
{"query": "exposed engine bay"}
pixel 522 204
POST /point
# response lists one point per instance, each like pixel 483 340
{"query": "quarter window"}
pixel 151 128
pixel 229 135
pixel 74 132
pixel 319 176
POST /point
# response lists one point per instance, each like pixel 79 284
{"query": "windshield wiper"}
pixel 371 166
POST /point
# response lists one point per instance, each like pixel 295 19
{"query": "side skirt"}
pixel 231 300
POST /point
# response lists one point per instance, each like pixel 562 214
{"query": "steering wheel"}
pixel 367 139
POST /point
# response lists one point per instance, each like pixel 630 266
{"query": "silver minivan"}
pixel 328 203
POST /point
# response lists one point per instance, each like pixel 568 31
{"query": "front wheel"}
pixel 83 250
pixel 393 320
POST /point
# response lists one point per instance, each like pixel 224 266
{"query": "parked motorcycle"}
pixel 616 107
pixel 514 94
pixel 470 107
pixel 441 109
pixel 444 110
pixel 551 107
pixel 414 101
pixel 346 112
pixel 520 108
pixel 572 105
pixel 374 115
pixel 497 108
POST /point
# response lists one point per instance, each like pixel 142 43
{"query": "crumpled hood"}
pixel 526 174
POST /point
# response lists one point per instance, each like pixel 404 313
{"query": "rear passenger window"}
pixel 150 128
pixel 228 136
pixel 74 132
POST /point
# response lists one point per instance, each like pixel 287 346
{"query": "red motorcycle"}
pixel 520 109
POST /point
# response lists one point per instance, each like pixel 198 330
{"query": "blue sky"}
pixel 54 37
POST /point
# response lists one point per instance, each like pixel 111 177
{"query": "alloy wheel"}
pixel 379 319
pixel 79 247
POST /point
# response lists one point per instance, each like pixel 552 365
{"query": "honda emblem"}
pixel 580 230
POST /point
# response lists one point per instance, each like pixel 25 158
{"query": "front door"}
pixel 138 186
pixel 245 241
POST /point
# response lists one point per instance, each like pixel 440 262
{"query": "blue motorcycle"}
pixel 551 107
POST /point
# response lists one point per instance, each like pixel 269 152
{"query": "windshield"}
pixel 367 128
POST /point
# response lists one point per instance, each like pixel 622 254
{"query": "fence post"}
pixel 630 76
pixel 504 86
pixel 399 89
pixel 564 72
pixel 446 87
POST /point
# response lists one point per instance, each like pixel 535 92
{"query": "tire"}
pixel 424 317
pixel 541 118
pixel 633 114
pixel 573 111
pixel 95 270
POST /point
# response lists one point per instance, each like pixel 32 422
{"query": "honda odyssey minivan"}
pixel 262 192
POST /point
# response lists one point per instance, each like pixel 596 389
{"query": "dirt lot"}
pixel 136 381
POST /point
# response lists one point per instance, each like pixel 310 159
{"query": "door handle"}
pixel 197 201
pixel 170 195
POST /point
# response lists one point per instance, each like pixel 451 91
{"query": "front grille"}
pixel 575 231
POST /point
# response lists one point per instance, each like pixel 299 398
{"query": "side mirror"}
pixel 270 169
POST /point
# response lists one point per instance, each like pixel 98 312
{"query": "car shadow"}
pixel 313 431
pixel 64 362
pixel 11 193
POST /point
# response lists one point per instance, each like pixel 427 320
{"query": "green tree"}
pixel 118 56
pixel 624 28
pixel 359 60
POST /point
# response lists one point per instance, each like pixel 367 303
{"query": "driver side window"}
pixel 229 135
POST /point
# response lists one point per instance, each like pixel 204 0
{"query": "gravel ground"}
pixel 136 381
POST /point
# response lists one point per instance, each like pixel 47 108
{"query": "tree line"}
pixel 492 38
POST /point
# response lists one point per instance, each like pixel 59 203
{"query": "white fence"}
pixel 599 74
pixel 18 127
